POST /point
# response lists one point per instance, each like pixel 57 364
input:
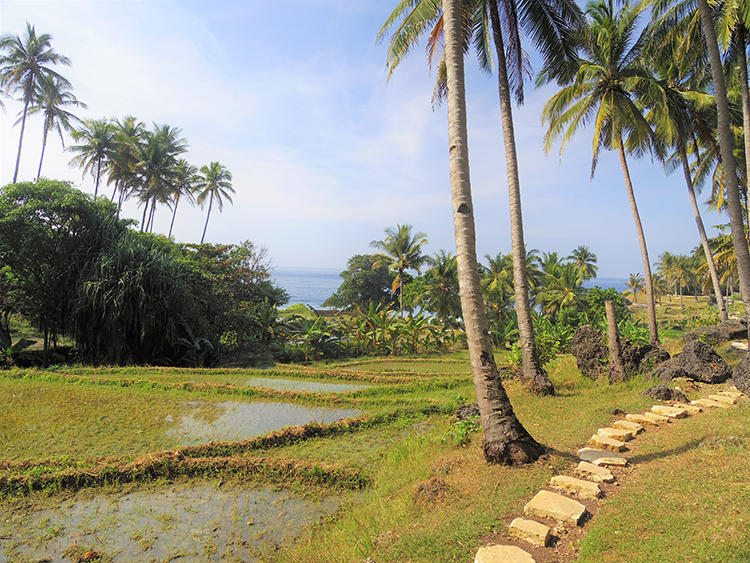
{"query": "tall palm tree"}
pixel 562 289
pixel 122 171
pixel 23 63
pixel 94 149
pixel 499 24
pixel 585 261
pixel 51 99
pixel 609 75
pixel 214 182
pixel 184 186
pixel 635 284
pixel 505 439
pixel 441 288
pixel 400 251
pixel 726 144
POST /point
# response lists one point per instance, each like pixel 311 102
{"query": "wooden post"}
pixel 616 368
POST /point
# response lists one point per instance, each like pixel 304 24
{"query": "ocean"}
pixel 312 286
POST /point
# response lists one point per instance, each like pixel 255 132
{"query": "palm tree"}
pixel 497 286
pixel 608 76
pixel 635 284
pixel 585 261
pixel 660 286
pixel 505 439
pixel 51 99
pixel 562 289
pixel 400 251
pixel 487 23
pixel 214 182
pixel 23 63
pixel 122 166
pixel 726 144
pixel 94 149
pixel 441 288
pixel 184 184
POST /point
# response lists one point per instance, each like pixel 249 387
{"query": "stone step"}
pixel 607 443
pixel 602 457
pixel 722 399
pixel 734 389
pixel 547 504
pixel 709 403
pixel 531 531
pixel 732 394
pixel 579 487
pixel 593 472
pixel 671 412
pixel 647 418
pixel 615 433
pixel 634 427
pixel 502 554
pixel 691 409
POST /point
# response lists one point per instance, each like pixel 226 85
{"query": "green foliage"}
pixel 462 430
pixel 634 331
pixel 362 284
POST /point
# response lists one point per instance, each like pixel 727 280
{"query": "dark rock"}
pixel 466 411
pixel 697 361
pixel 664 393
pixel 722 332
pixel 590 351
pixel 741 375
pixel 642 359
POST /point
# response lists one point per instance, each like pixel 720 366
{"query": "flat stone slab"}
pixel 502 554
pixel 692 409
pixel 634 427
pixel 739 345
pixel 594 472
pixel 607 443
pixel 602 457
pixel 615 433
pixel 671 412
pixel 579 487
pixel 547 504
pixel 709 403
pixel 647 418
pixel 732 394
pixel 531 531
pixel 722 399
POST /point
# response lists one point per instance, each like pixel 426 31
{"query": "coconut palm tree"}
pixel 51 99
pixel 562 289
pixel 585 261
pixel 214 181
pixel 609 75
pixel 505 439
pixel 184 186
pixel 23 63
pixel 122 171
pixel 441 288
pixel 635 284
pixel 400 251
pixel 660 286
pixel 95 148
pixel 488 24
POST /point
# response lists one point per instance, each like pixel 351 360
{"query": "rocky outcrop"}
pixel 664 393
pixel 697 361
pixel 722 332
pixel 590 351
pixel 741 375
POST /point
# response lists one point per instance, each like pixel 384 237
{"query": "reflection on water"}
pixel 235 420
pixel 302 385
pixel 192 522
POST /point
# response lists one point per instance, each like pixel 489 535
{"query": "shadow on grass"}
pixel 645 458
pixel 565 455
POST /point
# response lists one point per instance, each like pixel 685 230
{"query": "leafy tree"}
pixel 95 148
pixel 585 261
pixel 400 251
pixel 363 284
pixel 185 180
pixel 214 182
pixel 635 283
pixel 24 62
pixel 562 289
pixel 441 289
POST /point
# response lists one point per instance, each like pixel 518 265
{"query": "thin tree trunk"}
pixel 742 53
pixel 726 143
pixel 174 214
pixel 20 139
pixel 44 145
pixel 702 232
pixel 653 333
pixel 151 216
pixel 532 373
pixel 120 200
pixel 616 366
pixel 635 295
pixel 98 174
pixel 208 215
pixel 143 219
pixel 505 439
pixel 114 193
pixel 682 306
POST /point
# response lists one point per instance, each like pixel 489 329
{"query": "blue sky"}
pixel 292 97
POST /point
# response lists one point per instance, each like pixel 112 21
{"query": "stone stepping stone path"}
pixel 592 470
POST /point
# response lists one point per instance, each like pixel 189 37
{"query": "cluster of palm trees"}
pixel 140 163
pixel 662 89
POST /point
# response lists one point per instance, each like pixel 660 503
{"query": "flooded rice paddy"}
pixel 283 384
pixel 184 521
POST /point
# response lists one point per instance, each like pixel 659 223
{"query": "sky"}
pixel 325 151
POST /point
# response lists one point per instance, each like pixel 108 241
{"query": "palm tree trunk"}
pixel 741 46
pixel 726 143
pixel 143 219
pixel 653 333
pixel 616 366
pixel 44 145
pixel 702 232
pixel 20 138
pixel 98 174
pixel 114 193
pixel 208 215
pixel 174 214
pixel 532 373
pixel 151 216
pixel 682 305
pixel 505 439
